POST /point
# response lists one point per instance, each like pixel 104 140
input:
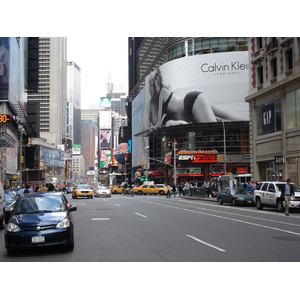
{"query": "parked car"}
pixel 102 190
pixel 235 196
pixel 82 191
pixel 149 189
pixel 118 189
pixel 40 220
pixel 268 193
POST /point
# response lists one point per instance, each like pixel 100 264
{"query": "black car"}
pixel 39 220
pixel 235 196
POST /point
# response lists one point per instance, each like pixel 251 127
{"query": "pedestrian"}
pixel 26 190
pixel 174 190
pixel 287 191
pixel 168 191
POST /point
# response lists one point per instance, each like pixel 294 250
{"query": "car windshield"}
pixel 102 188
pixel 83 187
pixel 40 203
pixel 239 191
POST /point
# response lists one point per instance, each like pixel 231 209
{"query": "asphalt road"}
pixel 157 229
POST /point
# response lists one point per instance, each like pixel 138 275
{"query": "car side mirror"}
pixel 73 208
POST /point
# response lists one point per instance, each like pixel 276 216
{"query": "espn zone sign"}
pixel 197 158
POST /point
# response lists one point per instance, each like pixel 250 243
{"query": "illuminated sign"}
pixel 5 119
pixel 197 156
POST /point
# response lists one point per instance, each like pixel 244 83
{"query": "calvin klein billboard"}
pixel 195 89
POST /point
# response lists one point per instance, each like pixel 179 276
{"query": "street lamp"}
pixel 175 171
pixel 224 145
pixel 147 158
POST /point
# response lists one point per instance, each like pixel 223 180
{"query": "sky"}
pixel 106 58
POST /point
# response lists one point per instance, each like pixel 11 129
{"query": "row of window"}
pixel 208 45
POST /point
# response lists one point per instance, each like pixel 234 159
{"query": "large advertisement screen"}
pixel 105 119
pixel 4 67
pixel 195 89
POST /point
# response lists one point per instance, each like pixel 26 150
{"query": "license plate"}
pixel 249 201
pixel 38 239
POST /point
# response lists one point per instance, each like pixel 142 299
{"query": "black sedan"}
pixel 38 220
pixel 235 196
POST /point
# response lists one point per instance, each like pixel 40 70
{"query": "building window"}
pixel 260 75
pixel 292 109
pixel 289 58
pixel 259 42
pixel 274 67
pixel 269 117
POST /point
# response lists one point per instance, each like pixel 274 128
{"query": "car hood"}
pixel 38 218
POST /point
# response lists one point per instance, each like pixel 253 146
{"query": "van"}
pixel 2 206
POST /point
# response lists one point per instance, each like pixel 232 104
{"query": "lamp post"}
pixel 174 153
pixel 224 145
pixel 147 158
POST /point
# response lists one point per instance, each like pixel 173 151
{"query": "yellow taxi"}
pixel 150 189
pixel 118 189
pixel 83 190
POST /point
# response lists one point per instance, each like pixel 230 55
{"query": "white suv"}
pixel 268 193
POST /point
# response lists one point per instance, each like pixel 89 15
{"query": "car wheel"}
pixel 259 204
pixel 140 192
pixel 220 201
pixel 161 192
pixel 280 206
pixel 233 202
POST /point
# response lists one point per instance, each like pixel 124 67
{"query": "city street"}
pixel 156 229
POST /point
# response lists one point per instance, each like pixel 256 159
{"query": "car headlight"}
pixel 11 227
pixel 63 224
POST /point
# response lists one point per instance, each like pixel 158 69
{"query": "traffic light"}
pixel 21 159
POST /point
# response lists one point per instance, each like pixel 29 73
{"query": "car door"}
pixel 271 194
pixel 152 189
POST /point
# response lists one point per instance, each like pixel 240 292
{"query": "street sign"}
pixel 279 160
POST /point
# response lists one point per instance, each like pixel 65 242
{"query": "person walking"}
pixel 168 191
pixel 174 190
pixel 287 192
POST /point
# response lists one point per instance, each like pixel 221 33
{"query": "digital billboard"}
pixel 105 102
pixel 105 139
pixel 105 119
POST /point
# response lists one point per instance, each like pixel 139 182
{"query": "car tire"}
pixel 220 201
pixel 161 192
pixel 233 202
pixel 259 205
pixel 140 192
pixel 279 205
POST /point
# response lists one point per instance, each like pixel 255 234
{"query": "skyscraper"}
pixel 74 103
pixel 52 91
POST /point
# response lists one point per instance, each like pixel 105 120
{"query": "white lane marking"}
pixel 227 218
pixel 140 215
pixel 117 204
pixel 207 244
